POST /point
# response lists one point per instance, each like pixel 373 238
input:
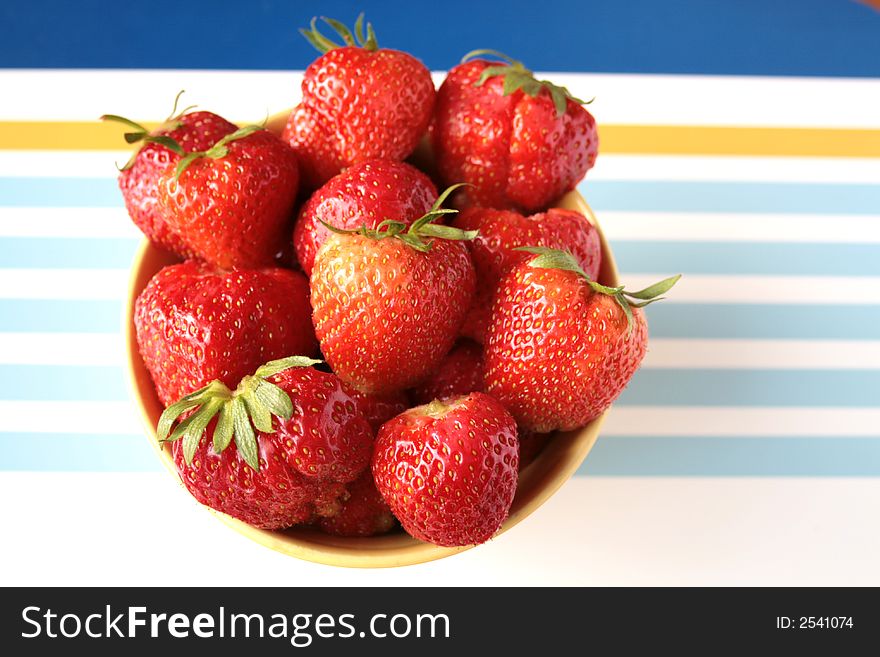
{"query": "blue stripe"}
pixel 817 37
pixel 685 196
pixel 725 457
pixel 632 256
pixel 613 456
pixel 720 387
pixel 621 195
pixel 764 321
pixel 60 316
pixel 60 382
pixel 65 252
pixel 666 320
pixel 52 452
pixel 667 387
pixel 761 258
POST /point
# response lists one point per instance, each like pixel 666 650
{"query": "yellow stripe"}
pixel 635 139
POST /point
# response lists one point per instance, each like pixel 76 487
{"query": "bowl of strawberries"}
pixel 383 327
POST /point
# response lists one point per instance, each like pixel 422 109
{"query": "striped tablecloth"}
pixel 747 449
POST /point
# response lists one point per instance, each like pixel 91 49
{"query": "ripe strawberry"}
pixel 379 408
pixel 364 195
pixel 195 324
pixel 460 373
pixel 139 178
pixel 448 470
pixel 561 347
pixel 364 513
pixel 293 468
pixel 388 304
pixel 231 204
pixel 494 250
pixel 359 102
pixel 519 141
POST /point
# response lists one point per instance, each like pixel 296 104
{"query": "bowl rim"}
pixel 539 481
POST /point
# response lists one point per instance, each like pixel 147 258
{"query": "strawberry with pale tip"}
pixel 562 347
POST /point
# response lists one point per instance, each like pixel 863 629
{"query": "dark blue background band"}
pixel 745 37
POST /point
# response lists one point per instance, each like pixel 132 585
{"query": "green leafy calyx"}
pixel 252 404
pixel 517 76
pixel 140 134
pixel 557 259
pixel 218 150
pixel 356 39
pixel 421 233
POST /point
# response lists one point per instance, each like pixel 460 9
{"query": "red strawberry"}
pixel 139 179
pixel 379 408
pixel 359 102
pixel 231 204
pixel 364 195
pixel 293 467
pixel 364 513
pixel 530 445
pixel 521 142
pixel 494 250
pixel 388 304
pixel 561 347
pixel 448 470
pixel 460 373
pixel 196 324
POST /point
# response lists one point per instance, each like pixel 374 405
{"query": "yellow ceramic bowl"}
pixel 554 466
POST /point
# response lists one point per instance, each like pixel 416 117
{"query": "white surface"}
pixel 109 529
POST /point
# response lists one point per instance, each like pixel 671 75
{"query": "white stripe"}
pixel 63 283
pixel 62 164
pixel 764 531
pixel 86 417
pixel 689 421
pixel 732 422
pixel 32 95
pixel 90 349
pixel 740 227
pixel 699 288
pixel 611 166
pixel 671 353
pixel 67 222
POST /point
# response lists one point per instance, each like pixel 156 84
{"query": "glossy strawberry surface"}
pixel 460 373
pixel 196 323
pixel 139 184
pixel 558 353
pixel 502 231
pixel 235 210
pixel 386 314
pixel 381 407
pixel 363 513
pixel 358 104
pixel 363 195
pixel 303 465
pixel 514 149
pixel 449 470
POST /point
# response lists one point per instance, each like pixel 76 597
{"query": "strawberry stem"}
pixel 253 404
pixel 357 39
pixel 517 76
pixel 548 258
pixel 421 228
pixel 216 151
